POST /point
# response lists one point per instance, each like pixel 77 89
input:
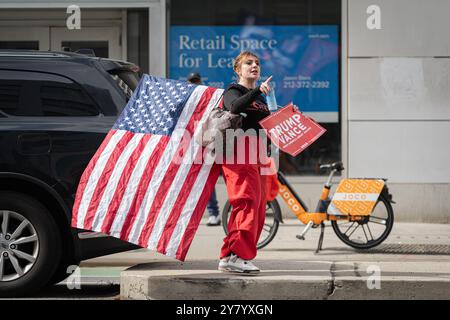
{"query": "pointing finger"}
pixel 268 79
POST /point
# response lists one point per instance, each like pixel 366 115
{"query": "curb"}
pixel 199 281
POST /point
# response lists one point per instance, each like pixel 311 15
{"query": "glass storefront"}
pixel 138 38
pixel 298 43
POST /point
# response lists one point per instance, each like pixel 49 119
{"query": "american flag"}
pixel 143 185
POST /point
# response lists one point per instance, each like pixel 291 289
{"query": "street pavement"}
pixel 413 263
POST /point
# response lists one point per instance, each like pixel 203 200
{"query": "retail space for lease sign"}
pixel 302 59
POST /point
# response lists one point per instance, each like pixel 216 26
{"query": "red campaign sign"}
pixel 290 130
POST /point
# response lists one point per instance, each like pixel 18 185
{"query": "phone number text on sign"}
pixel 303 84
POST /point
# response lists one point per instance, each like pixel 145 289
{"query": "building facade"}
pixel 382 68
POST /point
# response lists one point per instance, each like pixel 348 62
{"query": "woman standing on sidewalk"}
pixel 245 184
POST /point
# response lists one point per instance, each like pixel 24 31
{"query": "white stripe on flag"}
pixel 95 176
pixel 178 181
pixel 188 210
pixel 133 183
pixel 114 180
pixel 164 163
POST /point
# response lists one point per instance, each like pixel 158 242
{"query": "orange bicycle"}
pixel 360 211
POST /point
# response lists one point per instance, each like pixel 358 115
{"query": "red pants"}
pixel 246 189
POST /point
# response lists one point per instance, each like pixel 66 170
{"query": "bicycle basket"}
pixel 355 197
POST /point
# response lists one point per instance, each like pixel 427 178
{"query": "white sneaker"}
pixel 213 221
pixel 223 264
pixel 236 264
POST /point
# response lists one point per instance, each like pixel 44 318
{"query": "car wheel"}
pixel 30 245
pixel 63 271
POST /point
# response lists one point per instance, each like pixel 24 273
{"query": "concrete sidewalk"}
pixel 413 263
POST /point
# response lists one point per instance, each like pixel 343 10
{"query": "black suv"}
pixel 55 110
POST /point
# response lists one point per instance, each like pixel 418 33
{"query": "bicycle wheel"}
pixel 371 230
pixel 270 224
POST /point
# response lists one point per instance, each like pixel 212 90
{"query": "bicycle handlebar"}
pixel 338 166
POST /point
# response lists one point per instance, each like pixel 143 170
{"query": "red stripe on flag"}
pixel 116 199
pixel 104 179
pixel 161 194
pixel 85 177
pixel 174 166
pixel 194 222
pixel 172 220
pixel 142 187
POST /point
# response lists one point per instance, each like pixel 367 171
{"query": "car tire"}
pixel 49 249
pixel 63 271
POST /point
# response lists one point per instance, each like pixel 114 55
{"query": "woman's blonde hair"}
pixel 238 60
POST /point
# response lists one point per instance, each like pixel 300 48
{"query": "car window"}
pixel 127 81
pixel 124 86
pixel 9 97
pixel 24 93
pixel 60 99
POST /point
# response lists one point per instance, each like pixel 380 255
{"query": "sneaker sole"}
pixel 236 270
pixel 222 269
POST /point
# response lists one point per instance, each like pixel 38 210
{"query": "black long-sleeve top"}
pixel 239 99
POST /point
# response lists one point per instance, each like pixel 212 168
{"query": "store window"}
pixel 298 43
pixel 137 38
pixel 20 45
